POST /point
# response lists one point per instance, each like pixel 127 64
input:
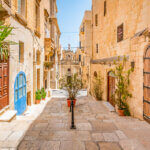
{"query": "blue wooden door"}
pixel 20 93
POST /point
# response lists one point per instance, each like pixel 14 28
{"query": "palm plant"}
pixel 5 31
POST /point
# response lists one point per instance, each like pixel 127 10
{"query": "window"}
pixel 46 58
pixel 96 20
pixel 79 57
pixel 80 44
pixel 21 52
pixel 38 59
pixel 69 69
pixel 96 48
pixel 105 8
pixel 120 33
pixel 37 12
pixel 95 74
pixel 22 7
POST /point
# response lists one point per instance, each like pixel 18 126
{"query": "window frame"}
pixel 105 8
pixel 97 50
pixel 96 20
pixel 21 52
pixel 120 34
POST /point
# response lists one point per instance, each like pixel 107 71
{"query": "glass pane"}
pixel 24 91
pixel 20 93
pixel 16 86
pixel 20 80
pixel 16 95
pixel 24 80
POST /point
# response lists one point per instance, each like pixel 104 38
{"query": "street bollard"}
pixel 72 118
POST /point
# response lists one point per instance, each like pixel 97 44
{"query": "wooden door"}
pixel 111 88
pixel 146 92
pixel 4 84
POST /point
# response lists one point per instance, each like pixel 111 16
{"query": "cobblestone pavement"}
pixel 97 129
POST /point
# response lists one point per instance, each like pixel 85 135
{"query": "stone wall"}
pixel 133 44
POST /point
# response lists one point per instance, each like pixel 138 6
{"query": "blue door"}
pixel 20 93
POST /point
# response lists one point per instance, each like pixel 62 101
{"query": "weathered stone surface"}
pixel 110 137
pixel 91 146
pixel 109 146
pixel 97 137
pixel 93 134
pixel 72 145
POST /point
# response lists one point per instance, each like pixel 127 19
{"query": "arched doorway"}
pixel 20 93
pixel 146 92
pixel 111 87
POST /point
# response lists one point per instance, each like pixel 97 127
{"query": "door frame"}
pixel 147 118
pixel 108 87
pixel 7 81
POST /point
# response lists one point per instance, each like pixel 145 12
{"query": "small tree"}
pixel 72 84
pixel 97 86
pixel 122 92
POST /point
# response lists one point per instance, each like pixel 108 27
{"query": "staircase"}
pixel 7 115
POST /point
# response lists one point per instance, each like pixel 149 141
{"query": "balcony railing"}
pixel 48 65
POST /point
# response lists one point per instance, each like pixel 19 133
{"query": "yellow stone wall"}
pixel 134 15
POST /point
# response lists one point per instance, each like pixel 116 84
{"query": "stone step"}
pixel 8 116
pixel 109 106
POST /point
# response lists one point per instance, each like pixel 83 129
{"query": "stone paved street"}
pixel 97 129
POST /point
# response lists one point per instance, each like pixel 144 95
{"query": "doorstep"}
pixel 109 106
pixel 8 115
pixel 4 109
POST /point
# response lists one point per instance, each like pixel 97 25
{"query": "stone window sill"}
pixel 21 19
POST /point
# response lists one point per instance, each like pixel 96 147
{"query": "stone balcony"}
pixel 48 65
pixel 49 45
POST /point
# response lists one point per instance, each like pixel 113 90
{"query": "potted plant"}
pixel 122 92
pixel 98 86
pixel 38 96
pixel 43 93
pixel 72 84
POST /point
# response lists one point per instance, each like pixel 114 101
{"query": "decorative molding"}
pixel 108 60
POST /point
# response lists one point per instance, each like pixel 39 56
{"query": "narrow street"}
pixel 97 129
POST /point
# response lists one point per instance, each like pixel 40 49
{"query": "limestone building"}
pixel 118 31
pixel 85 47
pixel 32 21
pixel 69 63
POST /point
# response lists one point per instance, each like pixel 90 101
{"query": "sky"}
pixel 70 15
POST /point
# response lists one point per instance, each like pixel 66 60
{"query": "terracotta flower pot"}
pixel 43 99
pixel 69 102
pixel 121 112
pixel 38 101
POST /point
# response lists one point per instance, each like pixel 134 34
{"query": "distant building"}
pixel 69 64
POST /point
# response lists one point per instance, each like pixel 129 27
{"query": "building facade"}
pixel 118 31
pixel 69 63
pixel 85 47
pixel 25 69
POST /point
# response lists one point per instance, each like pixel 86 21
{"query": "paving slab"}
pixel 109 146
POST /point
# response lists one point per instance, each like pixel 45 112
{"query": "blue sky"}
pixel 70 15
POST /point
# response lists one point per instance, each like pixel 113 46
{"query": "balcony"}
pixel 49 45
pixel 5 9
pixel 82 30
pixel 48 65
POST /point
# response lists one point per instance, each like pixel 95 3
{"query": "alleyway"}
pixel 97 129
